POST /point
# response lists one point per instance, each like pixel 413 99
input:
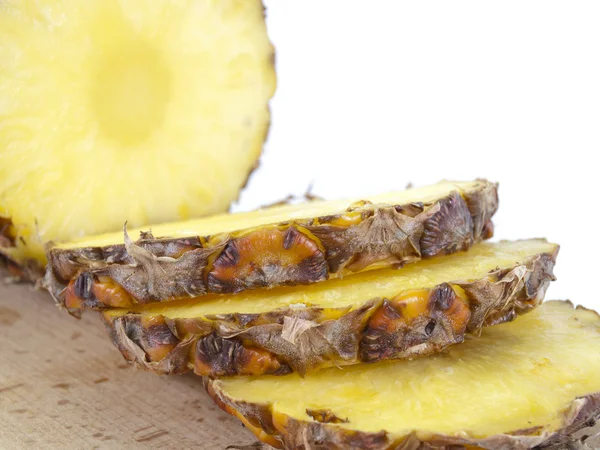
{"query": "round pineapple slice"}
pixel 139 110
pixel 528 384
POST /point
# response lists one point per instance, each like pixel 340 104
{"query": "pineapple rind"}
pixel 247 251
pixel 28 269
pixel 410 323
pixel 551 351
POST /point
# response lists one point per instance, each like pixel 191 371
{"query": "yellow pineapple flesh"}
pixel 243 223
pixel 139 110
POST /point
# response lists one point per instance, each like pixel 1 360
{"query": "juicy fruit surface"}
pixel 358 288
pixel 227 223
pixel 515 376
pixel 141 111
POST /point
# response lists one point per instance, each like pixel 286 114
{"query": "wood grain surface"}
pixel 64 386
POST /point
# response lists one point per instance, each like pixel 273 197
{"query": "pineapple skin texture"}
pixel 291 253
pixel 414 323
pixel 125 110
pixel 283 431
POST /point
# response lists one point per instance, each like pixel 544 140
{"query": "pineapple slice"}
pixel 513 388
pixel 285 245
pixel 111 110
pixel 367 317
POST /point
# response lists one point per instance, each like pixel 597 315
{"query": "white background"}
pixel 374 95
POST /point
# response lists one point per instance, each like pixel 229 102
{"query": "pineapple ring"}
pixel 277 246
pixel 381 314
pixel 520 385
pixel 140 110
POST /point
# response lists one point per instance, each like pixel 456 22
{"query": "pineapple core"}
pixel 141 110
pixel 516 376
pixel 138 77
pixel 356 289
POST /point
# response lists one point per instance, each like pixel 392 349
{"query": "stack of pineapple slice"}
pixel 364 324
pixel 373 324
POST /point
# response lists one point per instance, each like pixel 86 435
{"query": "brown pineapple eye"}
pixel 430 327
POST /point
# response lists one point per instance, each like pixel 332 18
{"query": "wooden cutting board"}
pixel 64 386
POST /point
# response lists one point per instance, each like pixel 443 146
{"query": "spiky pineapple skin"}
pixel 256 344
pixel 285 432
pixel 289 253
